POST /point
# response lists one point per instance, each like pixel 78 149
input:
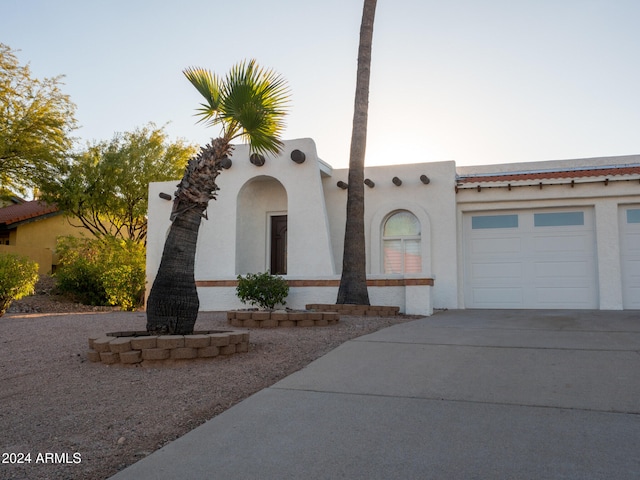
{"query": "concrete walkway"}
pixel 475 394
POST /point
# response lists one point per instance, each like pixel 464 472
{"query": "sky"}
pixel 475 81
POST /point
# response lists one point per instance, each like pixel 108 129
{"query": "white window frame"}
pixel 403 239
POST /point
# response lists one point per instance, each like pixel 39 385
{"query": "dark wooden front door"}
pixel 279 245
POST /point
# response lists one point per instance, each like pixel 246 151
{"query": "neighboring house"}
pixel 32 229
pixel 559 234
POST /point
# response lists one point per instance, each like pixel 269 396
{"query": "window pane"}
pixel 633 215
pixel 412 256
pixel 401 224
pixel 558 219
pixel 392 256
pixel 494 221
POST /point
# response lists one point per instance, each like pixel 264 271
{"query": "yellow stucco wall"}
pixel 44 233
pixel 37 240
pixel 42 256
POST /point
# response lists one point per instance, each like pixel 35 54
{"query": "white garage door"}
pixel 530 259
pixel 630 256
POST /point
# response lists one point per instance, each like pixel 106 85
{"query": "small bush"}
pixel 79 272
pixel 124 276
pixel 18 277
pixel 102 272
pixel 262 289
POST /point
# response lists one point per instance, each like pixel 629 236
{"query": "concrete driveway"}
pixel 472 394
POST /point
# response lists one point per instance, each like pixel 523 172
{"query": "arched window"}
pixel 401 243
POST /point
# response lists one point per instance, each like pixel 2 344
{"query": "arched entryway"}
pixel 260 225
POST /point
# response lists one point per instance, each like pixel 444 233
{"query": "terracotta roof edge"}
pixel 543 171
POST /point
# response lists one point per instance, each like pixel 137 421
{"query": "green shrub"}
pixel 262 289
pixel 125 275
pixel 79 270
pixel 102 272
pixel 18 277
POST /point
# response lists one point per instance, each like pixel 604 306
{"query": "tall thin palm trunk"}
pixel 353 282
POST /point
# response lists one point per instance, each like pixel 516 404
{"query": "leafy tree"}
pixel 18 277
pixel 353 282
pixel 106 187
pixel 36 121
pixel 250 103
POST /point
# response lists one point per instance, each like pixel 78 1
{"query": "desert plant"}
pixel 102 272
pixel 79 273
pixel 18 277
pixel 262 289
pixel 124 276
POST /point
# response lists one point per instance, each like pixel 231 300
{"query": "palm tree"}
pixel 249 103
pixel 353 282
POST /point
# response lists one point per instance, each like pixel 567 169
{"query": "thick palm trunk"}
pixel 172 306
pixel 353 282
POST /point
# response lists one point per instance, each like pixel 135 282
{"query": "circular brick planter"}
pixel 281 318
pixel 138 347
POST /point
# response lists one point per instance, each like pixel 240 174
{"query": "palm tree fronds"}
pixel 208 85
pixel 254 102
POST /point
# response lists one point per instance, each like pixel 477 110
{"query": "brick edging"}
pixel 350 309
pixel 110 349
pixel 268 319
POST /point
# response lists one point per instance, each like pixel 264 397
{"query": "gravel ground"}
pixel 92 419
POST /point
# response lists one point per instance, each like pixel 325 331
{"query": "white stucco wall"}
pixel 433 204
pixel 248 192
pixel 235 238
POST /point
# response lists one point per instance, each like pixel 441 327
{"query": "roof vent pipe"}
pixel 225 162
pixel 257 159
pixel 298 156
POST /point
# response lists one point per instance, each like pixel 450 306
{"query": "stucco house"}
pixel 31 228
pixel 558 234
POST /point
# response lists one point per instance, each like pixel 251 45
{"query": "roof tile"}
pixel 25 211
pixel 592 172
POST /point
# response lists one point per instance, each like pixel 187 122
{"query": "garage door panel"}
pixel 562 271
pixel 634 295
pixel 550 244
pixel 632 241
pixel 496 245
pixel 496 271
pixel 548 264
pixel 634 270
pixel 629 220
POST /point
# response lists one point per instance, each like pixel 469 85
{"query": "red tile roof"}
pixel 591 172
pixel 25 211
